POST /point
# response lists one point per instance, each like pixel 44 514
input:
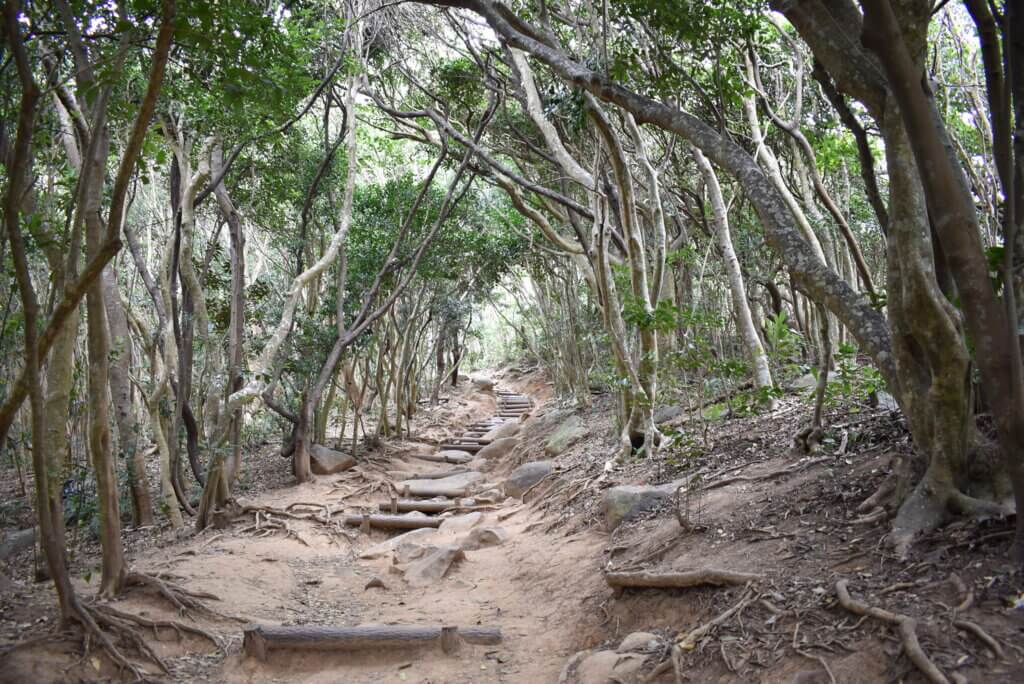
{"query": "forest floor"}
pixel 754 507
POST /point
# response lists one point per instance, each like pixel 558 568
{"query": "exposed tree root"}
pixel 183 600
pixel 906 625
pixel 808 440
pixel 265 526
pixel 982 636
pixel 972 507
pixel 822 662
pixel 871 518
pixel 96 627
pixel 882 495
pixel 930 505
pixel 267 520
pixel 678 580
pixel 788 470
pixel 117 632
pixel 688 641
pixel 974 629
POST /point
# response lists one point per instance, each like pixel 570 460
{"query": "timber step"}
pixel 458 446
pixel 392 522
pixel 260 639
pixel 438 458
pixel 396 506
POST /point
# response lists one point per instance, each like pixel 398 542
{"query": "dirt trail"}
pixel 529 586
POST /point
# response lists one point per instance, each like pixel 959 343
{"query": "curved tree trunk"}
pixel 236 325
pixel 121 394
pixel 744 319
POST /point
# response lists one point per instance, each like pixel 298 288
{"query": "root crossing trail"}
pixel 412 541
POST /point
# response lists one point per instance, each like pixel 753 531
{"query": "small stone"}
pixel 433 565
pixel 526 476
pixel 484 536
pixel 638 641
pixel 503 431
pixel 499 448
pixel 608 666
pixel 626 501
pixel 666 413
pixel 570 431
pixel 375 583
pixel 324 461
pixel 805 382
pixel 482 382
pixel 455 455
pixel 419 536
pixel 460 523
pixel 489 496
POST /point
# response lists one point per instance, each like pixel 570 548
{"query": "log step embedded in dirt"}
pixel 433 475
pixel 470 448
pixel 392 522
pixel 261 639
pixel 438 458
pixel 409 505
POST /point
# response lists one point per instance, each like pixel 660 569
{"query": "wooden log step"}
pixel 438 458
pixel 423 506
pixel 392 522
pixel 432 475
pixel 454 446
pixel 259 640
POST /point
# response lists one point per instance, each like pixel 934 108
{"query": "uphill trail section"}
pixel 354 576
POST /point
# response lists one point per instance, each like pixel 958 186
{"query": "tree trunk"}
pixel 236 325
pixel 113 565
pixel 720 225
pixel 997 350
pixel 48 509
pixel 121 394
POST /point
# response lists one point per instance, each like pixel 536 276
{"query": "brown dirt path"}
pixel 532 587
